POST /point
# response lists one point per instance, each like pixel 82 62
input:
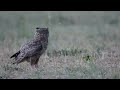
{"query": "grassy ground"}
pixel 82 45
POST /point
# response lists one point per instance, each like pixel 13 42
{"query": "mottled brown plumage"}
pixel 32 50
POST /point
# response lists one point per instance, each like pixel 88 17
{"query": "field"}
pixel 82 44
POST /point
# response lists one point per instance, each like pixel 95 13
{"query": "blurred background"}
pixel 65 26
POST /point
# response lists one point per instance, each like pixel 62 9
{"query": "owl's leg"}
pixel 31 61
pixel 34 62
pixel 28 59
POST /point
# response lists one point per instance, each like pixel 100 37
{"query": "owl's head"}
pixel 42 31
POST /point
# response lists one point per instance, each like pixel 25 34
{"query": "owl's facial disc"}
pixel 42 31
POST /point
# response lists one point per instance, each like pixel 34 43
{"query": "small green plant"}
pixel 87 57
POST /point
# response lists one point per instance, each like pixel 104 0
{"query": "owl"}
pixel 33 49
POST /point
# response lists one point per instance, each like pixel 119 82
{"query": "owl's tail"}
pixel 15 55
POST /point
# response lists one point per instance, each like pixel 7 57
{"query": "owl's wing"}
pixel 31 48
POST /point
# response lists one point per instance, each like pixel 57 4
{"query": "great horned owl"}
pixel 32 50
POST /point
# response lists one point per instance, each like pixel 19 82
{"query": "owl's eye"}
pixel 37 28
